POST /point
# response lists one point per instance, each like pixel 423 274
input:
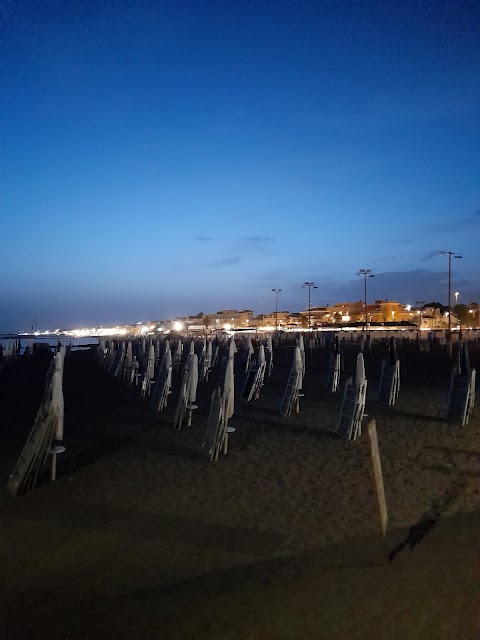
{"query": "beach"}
pixel 141 536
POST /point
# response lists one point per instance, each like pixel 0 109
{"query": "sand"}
pixel 142 537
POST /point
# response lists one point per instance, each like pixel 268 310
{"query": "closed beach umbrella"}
pixel 58 403
pixel 297 366
pixel 166 349
pixel 128 356
pixel 464 360
pixel 193 377
pixel 261 355
pixel 192 346
pixel 392 351
pixel 150 363
pixel 270 345
pixel 229 390
pixel 300 343
pixel 178 352
pixel 168 366
pixel 232 350
pixel 301 346
pixel 167 362
pixel 360 372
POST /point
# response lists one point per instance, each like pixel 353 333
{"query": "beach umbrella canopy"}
pixel 248 345
pixel 178 351
pixel 192 346
pixel 464 359
pixel 261 355
pixel 297 366
pixel 229 390
pixel 209 350
pixel 193 377
pixel 128 355
pixel 269 344
pixel 360 371
pixel 392 351
pixel 58 403
pixel 300 343
pixel 337 345
pixel 168 357
pixel 232 350
pixel 150 362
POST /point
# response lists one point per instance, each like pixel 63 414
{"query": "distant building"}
pixel 389 311
pixel 268 320
pixel 236 319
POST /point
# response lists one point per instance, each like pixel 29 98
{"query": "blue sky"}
pixel 165 158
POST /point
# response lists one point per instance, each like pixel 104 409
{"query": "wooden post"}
pixel 377 472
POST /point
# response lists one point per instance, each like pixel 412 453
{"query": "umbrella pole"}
pixel 225 442
pixel 53 467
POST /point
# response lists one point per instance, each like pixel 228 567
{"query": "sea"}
pixel 52 341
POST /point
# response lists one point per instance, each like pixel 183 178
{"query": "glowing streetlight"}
pixel 366 273
pixel 456 294
pixel 450 254
pixel 309 285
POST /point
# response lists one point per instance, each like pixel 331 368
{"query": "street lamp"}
pixel 450 254
pixel 276 292
pixel 422 302
pixel 366 273
pixel 309 285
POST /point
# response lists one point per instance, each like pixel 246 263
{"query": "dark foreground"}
pixel 140 537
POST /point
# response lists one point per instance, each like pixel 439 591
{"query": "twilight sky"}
pixel 165 158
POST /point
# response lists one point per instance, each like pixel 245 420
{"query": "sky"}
pixel 159 159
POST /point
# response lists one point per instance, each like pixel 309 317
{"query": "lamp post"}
pixel 276 292
pixel 309 285
pixel 450 254
pixel 422 302
pixel 366 273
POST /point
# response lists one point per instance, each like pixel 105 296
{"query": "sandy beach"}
pixel 142 537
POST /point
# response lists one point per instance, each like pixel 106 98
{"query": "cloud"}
pixel 239 249
pixel 203 238
pixel 255 239
pixel 228 261
pixel 404 286
pixel 428 256
pixel 459 225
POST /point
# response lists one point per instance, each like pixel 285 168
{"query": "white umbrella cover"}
pixel 193 375
pixel 229 390
pixel 360 372
pixel 261 355
pixel 297 366
pixel 58 403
